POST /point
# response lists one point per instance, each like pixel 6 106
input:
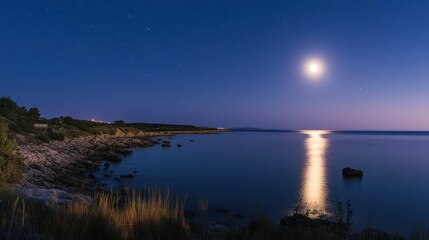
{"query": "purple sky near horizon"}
pixel 220 63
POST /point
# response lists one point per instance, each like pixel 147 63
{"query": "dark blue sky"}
pixel 220 63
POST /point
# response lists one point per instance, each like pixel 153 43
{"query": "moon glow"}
pixel 314 69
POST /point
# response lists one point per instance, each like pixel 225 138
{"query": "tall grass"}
pixel 151 214
pixel 12 216
pixel 132 215
pixel 420 233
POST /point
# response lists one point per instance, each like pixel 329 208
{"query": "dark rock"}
pixel 124 152
pixel 350 172
pixel 117 179
pixel 220 211
pixel 179 145
pixel 115 158
pixel 126 176
pixel 135 171
pixel 191 140
pixel 92 176
pixel 166 142
pixel 165 145
pixel 239 215
pixel 106 165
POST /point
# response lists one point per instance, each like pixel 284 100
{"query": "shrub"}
pixel 33 114
pixel 119 122
pixel 10 167
pixel 7 146
pixel 9 109
pixel 56 136
pixel 11 171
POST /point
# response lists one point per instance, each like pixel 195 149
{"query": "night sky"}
pixel 220 63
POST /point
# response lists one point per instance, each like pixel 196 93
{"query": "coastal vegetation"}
pixel 132 215
pixel 151 214
pixel 10 165
pixel 154 214
pixel 22 126
pixel 29 126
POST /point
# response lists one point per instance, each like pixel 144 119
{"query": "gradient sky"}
pixel 220 63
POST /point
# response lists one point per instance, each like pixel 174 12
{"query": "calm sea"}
pixel 271 173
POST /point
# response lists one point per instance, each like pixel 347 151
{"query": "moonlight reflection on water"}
pixel 314 191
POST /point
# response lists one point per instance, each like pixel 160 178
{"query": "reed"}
pixel 150 214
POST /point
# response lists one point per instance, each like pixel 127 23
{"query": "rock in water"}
pixel 350 172
pixel 126 176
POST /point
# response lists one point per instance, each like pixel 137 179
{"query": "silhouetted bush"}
pixel 7 146
pixel 33 114
pixel 11 167
pixel 56 136
pixel 119 122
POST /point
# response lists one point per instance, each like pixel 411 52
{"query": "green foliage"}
pixel 12 111
pixel 21 121
pixel 9 109
pixel 56 136
pixel 10 167
pixel 81 127
pixel 7 146
pixel 33 114
pixel 11 171
pixel 161 127
pixel 119 122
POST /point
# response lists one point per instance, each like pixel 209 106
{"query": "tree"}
pixel 9 109
pixel 7 146
pixel 33 114
pixel 119 122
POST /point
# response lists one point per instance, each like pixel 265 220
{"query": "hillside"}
pixel 27 125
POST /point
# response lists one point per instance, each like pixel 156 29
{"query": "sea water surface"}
pixel 271 173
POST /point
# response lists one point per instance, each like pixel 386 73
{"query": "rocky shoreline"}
pixel 60 172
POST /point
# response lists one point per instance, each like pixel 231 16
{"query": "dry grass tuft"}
pixel 132 215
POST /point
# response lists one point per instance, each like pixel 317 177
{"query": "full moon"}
pixel 314 69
